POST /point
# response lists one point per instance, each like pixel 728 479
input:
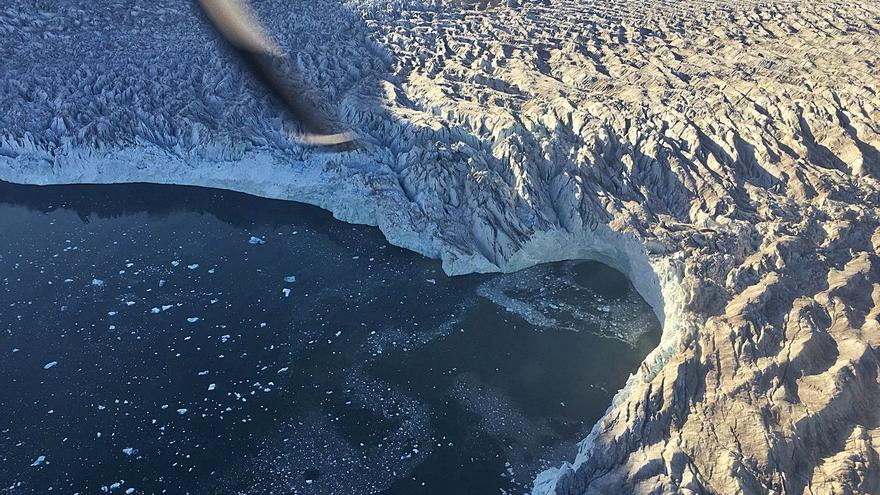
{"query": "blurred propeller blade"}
pixel 238 24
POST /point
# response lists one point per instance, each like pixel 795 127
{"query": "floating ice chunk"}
pixel 129 491
pixel 286 292
pixel 129 451
pixel 175 263
pixel 203 373
pixel 39 461
pixel 15 350
pixel 225 338
pixel 193 266
pixel 97 282
pixel 256 240
pixel 68 280
pixel 182 411
pixel 212 386
pixel 161 283
pixel 166 307
pixel 290 279
pixel 282 370
pixel 112 313
pixel 155 311
pixel 192 319
pixel 50 365
pixel 431 281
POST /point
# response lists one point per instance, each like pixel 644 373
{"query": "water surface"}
pixel 166 339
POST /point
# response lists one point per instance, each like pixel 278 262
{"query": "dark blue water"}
pixel 162 339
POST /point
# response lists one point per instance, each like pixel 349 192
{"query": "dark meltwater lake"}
pixel 165 339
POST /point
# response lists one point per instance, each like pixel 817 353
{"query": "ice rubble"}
pixel 723 154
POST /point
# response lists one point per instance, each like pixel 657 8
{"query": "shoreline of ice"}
pixel 253 175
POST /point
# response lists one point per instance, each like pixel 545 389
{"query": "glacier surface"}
pixel 721 153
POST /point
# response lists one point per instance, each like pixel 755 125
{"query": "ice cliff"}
pixel 725 154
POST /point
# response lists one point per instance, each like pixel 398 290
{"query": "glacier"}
pixel 723 154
